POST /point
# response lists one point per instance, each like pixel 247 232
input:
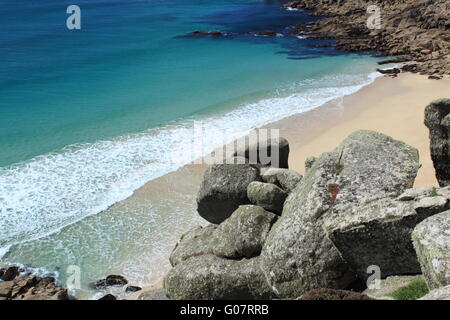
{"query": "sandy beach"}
pixel 393 106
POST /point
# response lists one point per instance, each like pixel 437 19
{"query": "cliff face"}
pixel 418 31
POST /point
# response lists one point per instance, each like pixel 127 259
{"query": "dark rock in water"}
pixel 133 289
pixel 224 189
pixel 157 294
pixel 332 294
pixel 111 280
pixel 243 234
pixel 389 71
pixel 216 33
pixel 108 297
pixel 266 33
pixel 298 255
pixel 431 240
pixel 208 277
pixel 284 178
pixel 267 195
pixel 10 273
pixel 379 233
pixel 2 271
pixel 32 288
pixel 196 241
pixel 437 119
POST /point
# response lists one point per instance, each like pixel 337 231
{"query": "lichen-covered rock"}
pixel 379 233
pixel 298 255
pixel 243 234
pixel 431 240
pixel 309 163
pixel 284 178
pixel 224 189
pixel 437 119
pixel 208 277
pixel 438 294
pixel 194 242
pixel 32 288
pixel 266 195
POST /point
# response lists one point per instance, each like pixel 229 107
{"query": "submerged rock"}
pixel 111 280
pixel 224 189
pixel 267 195
pixel 431 240
pixel 437 119
pixel 208 277
pixel 243 234
pixel 298 255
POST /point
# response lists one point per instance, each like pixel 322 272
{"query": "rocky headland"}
pixel 415 31
pixel 274 233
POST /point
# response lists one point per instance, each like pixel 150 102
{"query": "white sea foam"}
pixel 41 196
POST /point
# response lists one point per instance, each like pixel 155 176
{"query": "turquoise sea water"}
pixel 87 116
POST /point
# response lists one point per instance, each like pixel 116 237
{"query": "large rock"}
pixel 379 233
pixel 267 195
pixel 298 255
pixel 284 178
pixel 224 189
pixel 438 294
pixel 32 288
pixel 208 277
pixel 260 149
pixel 243 234
pixel 431 240
pixel 437 119
pixel 196 241
pixel 109 281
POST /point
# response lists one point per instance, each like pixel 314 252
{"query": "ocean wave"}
pixel 43 195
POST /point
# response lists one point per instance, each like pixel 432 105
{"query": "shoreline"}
pixel 393 106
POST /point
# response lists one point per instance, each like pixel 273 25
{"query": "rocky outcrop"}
pixel 10 273
pixel 418 31
pixel 32 288
pixel 437 119
pixel 379 232
pixel 367 166
pixel 431 240
pixel 266 195
pixel 284 178
pixel 224 189
pixel 207 277
pixel 438 294
pixel 243 234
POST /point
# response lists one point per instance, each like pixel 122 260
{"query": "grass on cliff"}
pixel 415 290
